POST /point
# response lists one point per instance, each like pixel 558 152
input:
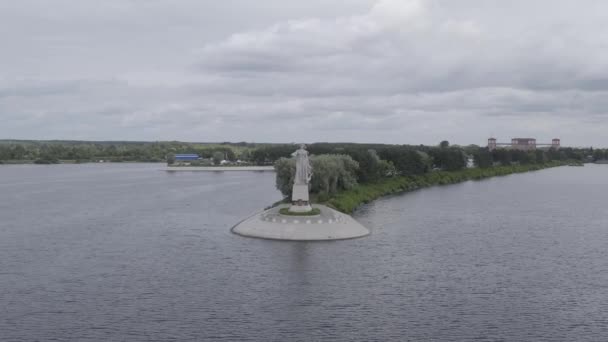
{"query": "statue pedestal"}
pixel 300 199
pixel 300 193
pixel 328 225
pixel 300 208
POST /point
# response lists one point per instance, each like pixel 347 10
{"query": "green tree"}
pixel 598 155
pixel 369 166
pixel 541 157
pixel 285 172
pixel 406 160
pixel 245 155
pixel 170 159
pixel 502 156
pixel 483 158
pixel 449 159
pixel 386 169
pixel 269 154
pixel 217 157
pixel 331 173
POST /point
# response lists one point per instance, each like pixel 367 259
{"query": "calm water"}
pixel 130 253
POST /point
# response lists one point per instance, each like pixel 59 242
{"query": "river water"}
pixel 125 252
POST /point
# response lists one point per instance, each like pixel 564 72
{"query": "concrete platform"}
pixel 329 225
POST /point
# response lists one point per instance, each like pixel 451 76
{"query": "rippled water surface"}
pixel 130 253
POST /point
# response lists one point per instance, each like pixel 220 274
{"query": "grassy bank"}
pixel 347 201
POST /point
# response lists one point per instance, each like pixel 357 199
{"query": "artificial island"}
pixel 300 220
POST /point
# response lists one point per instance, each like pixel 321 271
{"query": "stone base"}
pixel 300 208
pixel 300 193
pixel 329 225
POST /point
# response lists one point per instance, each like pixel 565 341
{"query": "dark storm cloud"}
pixel 401 71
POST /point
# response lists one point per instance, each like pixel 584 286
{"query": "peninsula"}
pixel 299 220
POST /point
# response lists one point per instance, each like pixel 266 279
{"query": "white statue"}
pixel 303 167
pixel 299 196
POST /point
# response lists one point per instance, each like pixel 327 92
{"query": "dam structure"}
pixel 523 144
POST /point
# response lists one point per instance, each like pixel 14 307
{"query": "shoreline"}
pixel 349 200
pixel 218 168
pixel 75 162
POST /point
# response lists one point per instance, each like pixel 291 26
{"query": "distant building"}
pixel 523 144
pixel 186 157
pixel 492 144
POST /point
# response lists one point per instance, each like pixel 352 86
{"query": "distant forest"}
pixel 419 159
pixel 56 151
pixel 406 159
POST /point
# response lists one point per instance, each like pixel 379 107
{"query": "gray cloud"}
pixel 395 71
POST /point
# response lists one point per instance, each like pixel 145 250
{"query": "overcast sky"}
pixel 389 71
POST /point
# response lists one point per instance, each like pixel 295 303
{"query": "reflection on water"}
pixel 127 252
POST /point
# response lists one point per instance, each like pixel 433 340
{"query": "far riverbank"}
pixel 70 162
pixel 347 201
pixel 219 168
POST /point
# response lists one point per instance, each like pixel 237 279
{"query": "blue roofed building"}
pixel 186 157
pixel 182 159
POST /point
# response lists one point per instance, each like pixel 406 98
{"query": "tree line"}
pixel 82 151
pixel 374 159
pixel 335 166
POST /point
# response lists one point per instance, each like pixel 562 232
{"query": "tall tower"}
pixel 491 144
pixel 556 144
